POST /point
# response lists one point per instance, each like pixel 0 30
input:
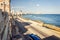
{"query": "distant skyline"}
pixel 36 6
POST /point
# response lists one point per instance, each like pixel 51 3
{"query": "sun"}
pixel 37 5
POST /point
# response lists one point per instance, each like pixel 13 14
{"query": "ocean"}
pixel 53 19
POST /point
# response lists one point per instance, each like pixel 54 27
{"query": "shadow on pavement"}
pixel 51 38
pixel 21 26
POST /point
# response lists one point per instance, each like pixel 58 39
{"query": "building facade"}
pixel 5 5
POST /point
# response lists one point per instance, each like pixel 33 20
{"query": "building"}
pixel 5 5
pixel 4 18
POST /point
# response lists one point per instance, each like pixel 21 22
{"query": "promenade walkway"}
pixel 35 28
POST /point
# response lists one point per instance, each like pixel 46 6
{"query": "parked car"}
pixel 34 37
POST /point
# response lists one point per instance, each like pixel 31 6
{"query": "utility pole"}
pixel 4 9
pixel 21 13
pixel 4 5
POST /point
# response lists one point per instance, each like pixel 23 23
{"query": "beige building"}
pixel 4 18
pixel 5 5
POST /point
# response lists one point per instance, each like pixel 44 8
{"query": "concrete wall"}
pixel 1 22
pixel 1 18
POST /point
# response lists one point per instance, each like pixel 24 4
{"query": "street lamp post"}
pixel 21 13
pixel 4 5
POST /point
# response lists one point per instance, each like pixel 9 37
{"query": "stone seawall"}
pixel 53 27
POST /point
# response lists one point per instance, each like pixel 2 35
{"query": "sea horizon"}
pixel 53 19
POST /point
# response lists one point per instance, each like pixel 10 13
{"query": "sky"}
pixel 36 6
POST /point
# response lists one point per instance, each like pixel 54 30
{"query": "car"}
pixel 34 37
